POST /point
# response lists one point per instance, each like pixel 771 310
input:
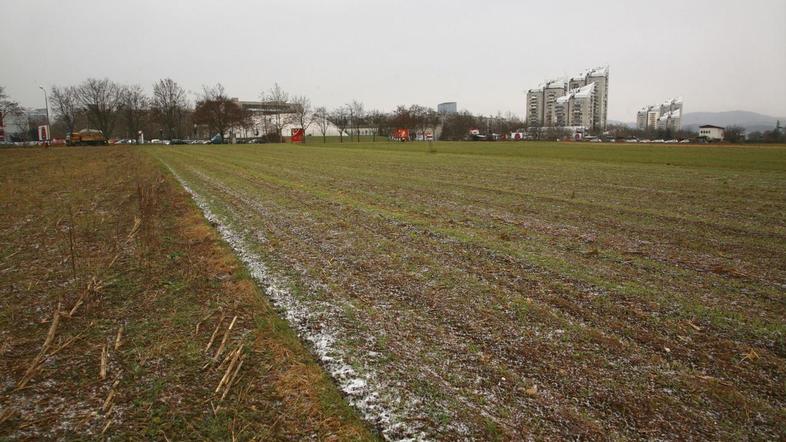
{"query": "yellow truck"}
pixel 86 137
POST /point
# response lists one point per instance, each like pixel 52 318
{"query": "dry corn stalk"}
pixel 103 362
pixel 231 374
pixel 93 286
pixel 50 337
pixel 110 396
pixel 215 332
pixel 232 379
pixel 224 340
pixel 119 337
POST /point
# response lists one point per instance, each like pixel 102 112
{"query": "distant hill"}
pixel 751 121
pixel 621 123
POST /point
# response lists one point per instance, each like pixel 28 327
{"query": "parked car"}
pixel 671 141
pixel 685 141
pixel 645 141
pixel 659 141
pixel 631 140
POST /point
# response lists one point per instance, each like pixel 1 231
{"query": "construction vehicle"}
pixel 86 137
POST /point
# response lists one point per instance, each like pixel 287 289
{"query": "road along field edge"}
pixel 362 390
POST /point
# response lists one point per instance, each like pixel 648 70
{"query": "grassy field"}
pixel 124 315
pixel 501 290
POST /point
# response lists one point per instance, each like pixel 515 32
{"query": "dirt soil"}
pixel 545 291
pixel 124 315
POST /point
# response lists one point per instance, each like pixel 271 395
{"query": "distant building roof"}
pixel 672 114
pixel 585 91
pixel 710 126
pixel 599 71
pixel 555 84
pixel 267 107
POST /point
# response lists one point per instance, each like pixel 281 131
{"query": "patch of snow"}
pixel 363 390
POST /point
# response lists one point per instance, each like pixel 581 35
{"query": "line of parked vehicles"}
pixel 636 140
pixel 158 141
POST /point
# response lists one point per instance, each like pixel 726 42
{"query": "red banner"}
pixel 401 134
pixel 43 133
pixel 298 135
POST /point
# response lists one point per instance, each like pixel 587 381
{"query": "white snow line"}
pixel 362 390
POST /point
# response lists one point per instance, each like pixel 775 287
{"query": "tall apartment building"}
pixel 579 101
pixel 551 91
pixel 667 115
pixel 535 107
pixel 577 107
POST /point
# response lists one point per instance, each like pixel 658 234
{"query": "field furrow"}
pixel 572 291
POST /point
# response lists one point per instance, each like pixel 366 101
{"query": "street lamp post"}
pixel 48 124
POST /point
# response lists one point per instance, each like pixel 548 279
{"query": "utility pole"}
pixel 48 125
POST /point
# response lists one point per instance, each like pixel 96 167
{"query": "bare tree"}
pixel 378 122
pixel 340 118
pixel 278 99
pixel 457 126
pixel 734 134
pixel 322 120
pixel 133 106
pixel 419 116
pixel 101 100
pixel 402 118
pixel 302 115
pixel 169 105
pixel 536 132
pixel 8 106
pixel 356 116
pixel 65 103
pixel 219 112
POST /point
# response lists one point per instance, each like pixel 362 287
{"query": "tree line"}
pixel 123 111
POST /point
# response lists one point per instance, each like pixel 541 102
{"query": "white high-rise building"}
pixel 551 91
pixel 580 101
pixel 577 107
pixel 667 115
pixel 600 107
pixel 535 107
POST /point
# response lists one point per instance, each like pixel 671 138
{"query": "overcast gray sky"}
pixel 718 55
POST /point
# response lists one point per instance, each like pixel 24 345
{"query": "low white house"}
pixel 712 133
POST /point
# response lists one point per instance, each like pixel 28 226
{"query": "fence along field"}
pixel 546 290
